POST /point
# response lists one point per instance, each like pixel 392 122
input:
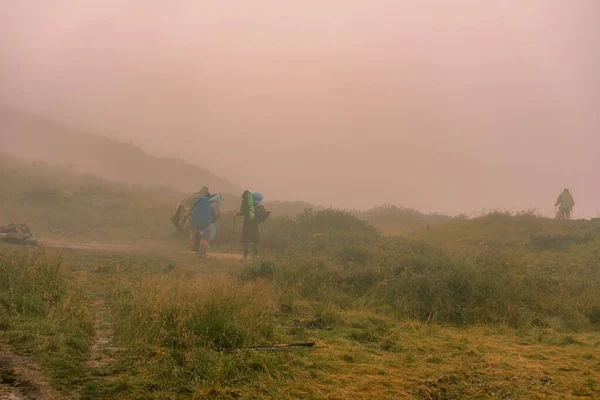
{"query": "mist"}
pixel 451 107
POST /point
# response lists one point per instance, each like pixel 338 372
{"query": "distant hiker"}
pixel 565 203
pixel 254 213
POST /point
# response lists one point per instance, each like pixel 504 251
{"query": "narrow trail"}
pixel 21 378
pixel 99 366
pixel 111 247
pixel 102 349
pixel 130 248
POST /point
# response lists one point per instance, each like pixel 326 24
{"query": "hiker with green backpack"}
pixel 254 213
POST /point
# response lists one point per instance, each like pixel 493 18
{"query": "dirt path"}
pixel 118 248
pixel 130 248
pixel 22 379
pixel 102 350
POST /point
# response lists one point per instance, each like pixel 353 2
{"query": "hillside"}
pixel 34 138
pixel 39 139
pixel 56 201
pixel 53 199
pixel 499 306
pixel 399 221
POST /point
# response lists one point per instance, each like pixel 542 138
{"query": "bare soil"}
pixel 22 379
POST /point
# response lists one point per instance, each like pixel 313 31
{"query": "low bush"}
pixel 220 313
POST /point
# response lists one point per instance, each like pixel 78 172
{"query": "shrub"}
pixel 45 196
pixel 31 285
pixel 550 241
pixel 264 270
pixel 218 313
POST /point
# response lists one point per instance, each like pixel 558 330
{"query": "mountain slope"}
pixel 35 138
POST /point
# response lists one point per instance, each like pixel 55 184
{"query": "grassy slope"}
pixel 366 354
pixel 39 139
pixel 59 203
pixel 523 290
pixel 399 221
pixel 36 138
pixel 82 206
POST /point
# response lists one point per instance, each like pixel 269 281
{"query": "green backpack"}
pixel 257 212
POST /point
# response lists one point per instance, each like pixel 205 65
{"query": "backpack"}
pixel 256 211
pixel 215 211
pixel 201 213
pixel 260 214
pixel 258 197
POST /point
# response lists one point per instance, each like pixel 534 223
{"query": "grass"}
pixel 168 325
pixel 500 306
pixel 399 221
pixel 43 314
pixel 221 313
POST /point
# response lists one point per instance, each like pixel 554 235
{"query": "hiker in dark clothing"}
pixel 250 233
pixel 565 204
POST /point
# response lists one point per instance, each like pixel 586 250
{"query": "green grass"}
pixel 172 316
pixel 497 306
pixel 43 314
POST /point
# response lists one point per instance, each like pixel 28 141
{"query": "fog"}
pixel 448 106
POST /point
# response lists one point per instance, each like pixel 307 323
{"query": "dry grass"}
pixel 217 311
pixel 161 315
pixel 434 362
pixel 342 285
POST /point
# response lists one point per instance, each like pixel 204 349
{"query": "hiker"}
pixel 565 204
pixel 206 235
pixel 250 233
pixel 201 220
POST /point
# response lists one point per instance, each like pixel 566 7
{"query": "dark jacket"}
pixel 250 232
pixel 565 201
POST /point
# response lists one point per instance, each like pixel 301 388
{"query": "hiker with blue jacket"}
pixel 205 212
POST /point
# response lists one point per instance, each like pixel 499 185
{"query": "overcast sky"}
pixel 441 105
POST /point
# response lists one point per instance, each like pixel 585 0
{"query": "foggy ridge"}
pixel 35 138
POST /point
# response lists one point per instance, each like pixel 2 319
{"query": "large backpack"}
pixel 201 213
pixel 257 211
pixel 260 213
pixel 215 211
